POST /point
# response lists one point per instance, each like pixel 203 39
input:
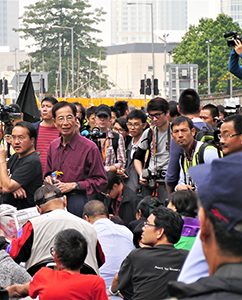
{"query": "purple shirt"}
pixel 80 161
pixel 190 227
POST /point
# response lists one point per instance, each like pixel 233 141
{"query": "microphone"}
pixel 85 133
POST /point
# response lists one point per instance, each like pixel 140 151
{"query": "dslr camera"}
pixel 151 178
pixel 233 34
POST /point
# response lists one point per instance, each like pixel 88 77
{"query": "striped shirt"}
pixel 45 136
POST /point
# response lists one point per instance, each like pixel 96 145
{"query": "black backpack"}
pixel 115 143
pixel 208 136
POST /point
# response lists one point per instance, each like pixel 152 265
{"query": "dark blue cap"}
pixel 220 189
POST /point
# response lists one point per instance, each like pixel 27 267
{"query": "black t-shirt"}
pixel 149 270
pixel 27 171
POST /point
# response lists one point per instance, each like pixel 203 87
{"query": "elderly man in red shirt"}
pixel 76 159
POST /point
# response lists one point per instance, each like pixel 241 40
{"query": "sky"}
pixel 197 9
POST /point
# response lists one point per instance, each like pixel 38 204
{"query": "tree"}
pixel 40 22
pixel 193 50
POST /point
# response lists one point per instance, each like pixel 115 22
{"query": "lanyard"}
pixel 104 149
pixel 191 152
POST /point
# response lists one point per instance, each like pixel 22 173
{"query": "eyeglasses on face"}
pixel 227 136
pixel 148 224
pixel 119 130
pixel 69 118
pixel 106 194
pixel 19 138
pixel 52 251
pixel 136 125
pixel 157 115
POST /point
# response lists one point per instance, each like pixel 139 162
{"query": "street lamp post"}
pixel 60 71
pixel 165 35
pixel 152 38
pixel 208 42
pixel 72 53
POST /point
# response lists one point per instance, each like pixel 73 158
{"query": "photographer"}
pixel 9 116
pixel 234 66
pixel 157 141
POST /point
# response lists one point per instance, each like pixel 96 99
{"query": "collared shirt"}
pixel 109 156
pixel 80 161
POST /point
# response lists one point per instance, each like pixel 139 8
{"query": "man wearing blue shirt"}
pixel 234 66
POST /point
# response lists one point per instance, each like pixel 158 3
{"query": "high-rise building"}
pixel 233 8
pixel 132 23
pixel 9 13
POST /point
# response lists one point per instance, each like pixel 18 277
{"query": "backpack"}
pixel 208 136
pixel 115 143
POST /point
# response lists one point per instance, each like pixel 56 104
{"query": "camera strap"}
pixel 155 143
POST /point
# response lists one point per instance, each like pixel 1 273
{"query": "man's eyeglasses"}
pixel 106 194
pixel 157 115
pixel 19 138
pixel 136 125
pixel 52 251
pixel 68 118
pixel 226 136
pixel 148 224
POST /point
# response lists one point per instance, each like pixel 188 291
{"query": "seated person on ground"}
pixel 69 251
pixel 185 203
pixel 143 210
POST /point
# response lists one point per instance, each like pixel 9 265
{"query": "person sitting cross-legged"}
pixel 69 251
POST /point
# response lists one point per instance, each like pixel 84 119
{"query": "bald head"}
pixel 48 198
pixel 95 210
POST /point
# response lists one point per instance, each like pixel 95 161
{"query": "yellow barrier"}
pixel 86 102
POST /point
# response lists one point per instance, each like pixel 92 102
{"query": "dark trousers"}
pixel 76 203
pixel 161 191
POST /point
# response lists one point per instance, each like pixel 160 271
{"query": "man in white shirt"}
pixel 116 240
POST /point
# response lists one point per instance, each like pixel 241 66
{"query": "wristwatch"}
pixel 107 169
pixel 77 186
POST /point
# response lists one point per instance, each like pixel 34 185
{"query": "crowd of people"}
pixel 131 204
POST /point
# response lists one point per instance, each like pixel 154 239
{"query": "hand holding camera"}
pixel 238 46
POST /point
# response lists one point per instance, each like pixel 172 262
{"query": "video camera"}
pixel 94 135
pixel 233 34
pixel 8 114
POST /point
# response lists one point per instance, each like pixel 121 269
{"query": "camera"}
pixel 94 134
pixel 146 174
pixel 233 34
pixel 8 114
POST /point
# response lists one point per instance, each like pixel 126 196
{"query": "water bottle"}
pixel 54 177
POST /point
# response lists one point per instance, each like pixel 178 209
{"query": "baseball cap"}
pixel 46 193
pixel 219 187
pixel 103 109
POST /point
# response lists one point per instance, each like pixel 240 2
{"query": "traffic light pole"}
pixel 145 91
pixel 3 85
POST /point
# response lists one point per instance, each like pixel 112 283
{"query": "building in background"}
pixel 9 13
pixel 233 8
pixel 127 64
pixel 132 23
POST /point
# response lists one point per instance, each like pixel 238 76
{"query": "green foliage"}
pixel 39 21
pixel 194 50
